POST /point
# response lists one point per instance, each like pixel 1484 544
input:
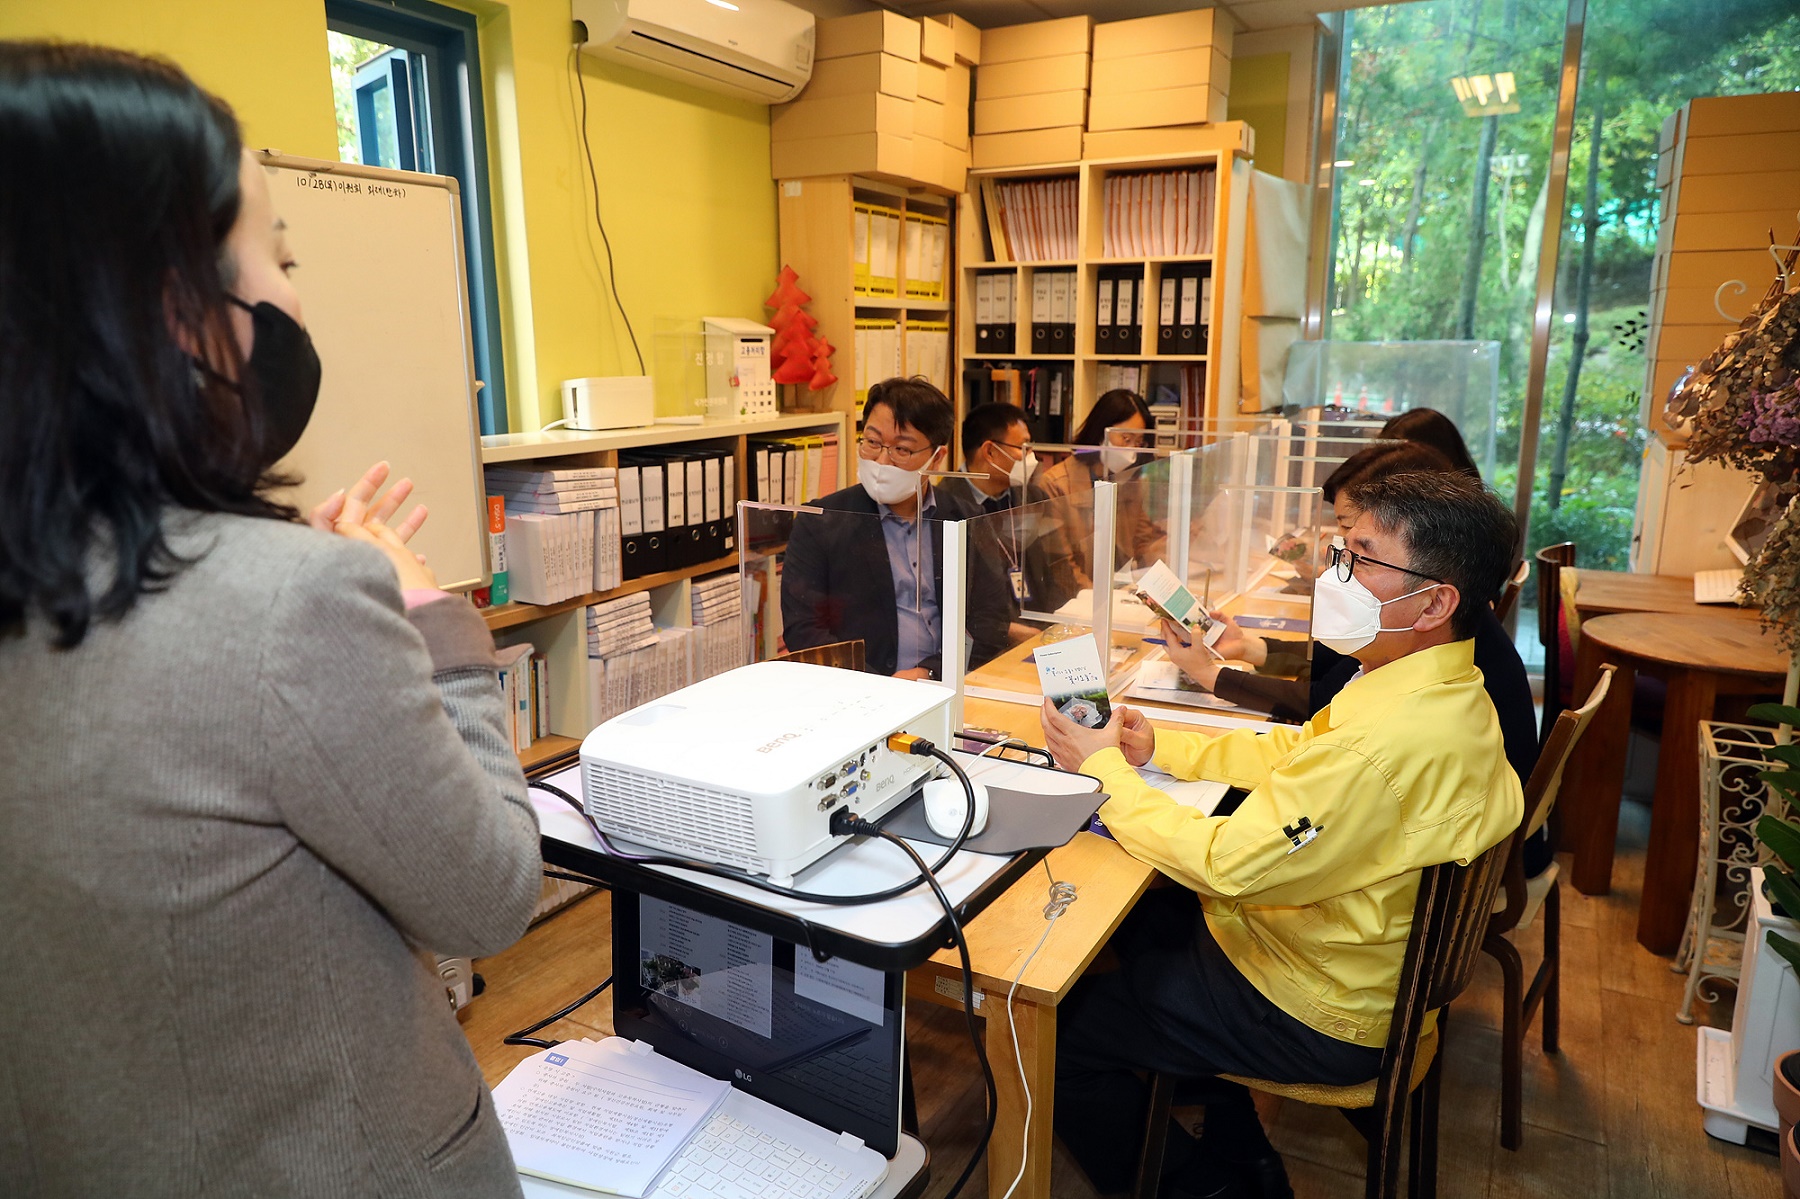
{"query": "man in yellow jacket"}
pixel 1280 954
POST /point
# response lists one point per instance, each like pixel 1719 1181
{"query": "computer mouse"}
pixel 946 805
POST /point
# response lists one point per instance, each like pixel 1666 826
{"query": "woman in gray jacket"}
pixel 252 768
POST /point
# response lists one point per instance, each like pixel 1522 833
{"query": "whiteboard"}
pixel 384 293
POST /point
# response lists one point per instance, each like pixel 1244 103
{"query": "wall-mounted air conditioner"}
pixel 753 49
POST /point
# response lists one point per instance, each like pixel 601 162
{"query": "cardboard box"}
pixel 1037 39
pixel 1199 66
pixel 937 42
pixel 878 32
pixel 1736 153
pixel 928 160
pixel 967 38
pixel 1228 137
pixel 1150 110
pixel 956 107
pixel 1015 113
pixel 1026 149
pixel 862 74
pixel 1749 192
pixel 934 83
pixel 880 154
pixel 1032 76
pixel 836 116
pixel 1210 27
pixel 1713 116
pixel 955 178
pixel 927 119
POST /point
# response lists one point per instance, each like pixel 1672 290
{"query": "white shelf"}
pixel 513 447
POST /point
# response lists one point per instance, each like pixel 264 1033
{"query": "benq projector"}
pixel 745 768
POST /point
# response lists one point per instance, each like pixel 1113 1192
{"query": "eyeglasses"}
pixel 1019 450
pixel 898 455
pixel 1345 561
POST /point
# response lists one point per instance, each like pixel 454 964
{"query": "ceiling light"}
pixel 1486 95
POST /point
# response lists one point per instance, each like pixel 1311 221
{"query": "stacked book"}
pixel 562 531
pixel 525 686
pixel 620 626
pixel 718 615
pixel 630 660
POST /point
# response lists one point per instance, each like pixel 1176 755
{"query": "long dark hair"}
pixel 1114 408
pixel 123 184
pixel 1428 426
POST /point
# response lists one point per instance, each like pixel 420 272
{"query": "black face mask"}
pixel 285 369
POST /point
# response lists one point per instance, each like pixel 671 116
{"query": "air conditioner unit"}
pixel 753 49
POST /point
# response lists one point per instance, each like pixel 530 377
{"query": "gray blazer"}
pixel 232 826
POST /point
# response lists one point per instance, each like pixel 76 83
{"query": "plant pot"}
pixel 1787 1091
pixel 1790 1165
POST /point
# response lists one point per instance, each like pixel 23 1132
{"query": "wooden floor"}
pixel 1612 1115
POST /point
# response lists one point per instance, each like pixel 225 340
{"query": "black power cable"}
pixel 524 1037
pixel 587 149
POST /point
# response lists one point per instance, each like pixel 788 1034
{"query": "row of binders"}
pixel 996 312
pixel 554 534
pixel 1053 300
pixel 899 254
pixel 1119 310
pixel 1155 214
pixel 525 687
pixel 1032 220
pixel 1042 391
pixel 886 347
pixel 632 661
pixel 1184 309
pixel 678 508
pixel 794 470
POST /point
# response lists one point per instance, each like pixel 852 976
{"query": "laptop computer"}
pixel 813 1052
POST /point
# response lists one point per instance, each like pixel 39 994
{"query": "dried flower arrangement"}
pixel 1743 403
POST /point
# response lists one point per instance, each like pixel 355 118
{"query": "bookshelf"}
pixel 559 630
pixel 1219 393
pixel 818 225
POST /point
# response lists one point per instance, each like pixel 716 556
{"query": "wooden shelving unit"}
pixel 1221 359
pixel 818 231
pixel 559 630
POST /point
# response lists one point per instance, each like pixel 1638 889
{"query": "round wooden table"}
pixel 1701 657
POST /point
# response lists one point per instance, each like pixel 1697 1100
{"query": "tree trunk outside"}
pixel 1590 230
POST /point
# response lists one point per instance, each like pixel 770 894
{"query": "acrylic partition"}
pixel 819 586
pixel 1376 380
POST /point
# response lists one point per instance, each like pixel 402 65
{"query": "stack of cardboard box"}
pixel 1156 81
pixel 1031 94
pixel 878 103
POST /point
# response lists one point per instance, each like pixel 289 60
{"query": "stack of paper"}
pixel 1036 217
pixel 607 1116
pixel 1158 214
pixel 619 626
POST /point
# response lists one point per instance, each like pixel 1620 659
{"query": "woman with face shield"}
pixel 257 770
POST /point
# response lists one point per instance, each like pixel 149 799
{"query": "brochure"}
pixel 1165 595
pixel 1070 676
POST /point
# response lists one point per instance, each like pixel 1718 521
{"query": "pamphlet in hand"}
pixel 1165 595
pixel 1071 678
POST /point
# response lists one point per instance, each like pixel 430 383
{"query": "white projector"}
pixel 745 768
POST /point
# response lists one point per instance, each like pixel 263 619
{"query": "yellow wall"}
pixel 684 174
pixel 1259 97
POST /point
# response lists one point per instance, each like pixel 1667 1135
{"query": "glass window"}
pixel 405 78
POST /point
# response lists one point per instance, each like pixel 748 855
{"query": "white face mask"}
pixel 1347 615
pixel 1114 459
pixel 887 483
pixel 1021 470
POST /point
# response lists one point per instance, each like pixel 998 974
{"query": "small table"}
pixel 1603 592
pixel 1702 657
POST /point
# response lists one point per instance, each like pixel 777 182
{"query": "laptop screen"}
pixel 822 1040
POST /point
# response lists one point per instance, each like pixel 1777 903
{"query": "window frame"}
pixel 451 105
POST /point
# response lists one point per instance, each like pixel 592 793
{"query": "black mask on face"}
pixel 285 370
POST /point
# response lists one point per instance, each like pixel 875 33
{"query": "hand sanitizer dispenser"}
pixel 738 372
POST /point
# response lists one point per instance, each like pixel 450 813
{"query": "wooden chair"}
pixel 1509 594
pixel 1449 919
pixel 1551 560
pixel 1521 898
pixel 845 655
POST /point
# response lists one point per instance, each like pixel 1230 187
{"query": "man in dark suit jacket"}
pixel 870 568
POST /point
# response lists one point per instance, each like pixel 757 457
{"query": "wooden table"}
pixel 1602 592
pixel 1702 656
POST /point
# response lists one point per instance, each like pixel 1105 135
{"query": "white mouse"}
pixel 946 805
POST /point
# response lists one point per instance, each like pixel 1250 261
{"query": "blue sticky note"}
pixel 557 1059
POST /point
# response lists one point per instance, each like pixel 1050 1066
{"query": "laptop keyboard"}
pixel 728 1159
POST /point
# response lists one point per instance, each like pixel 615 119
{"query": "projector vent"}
pixel 680 817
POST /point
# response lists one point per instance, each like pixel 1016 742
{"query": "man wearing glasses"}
pixel 1279 955
pixel 875 574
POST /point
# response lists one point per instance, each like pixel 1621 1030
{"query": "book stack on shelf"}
pixel 632 660
pixel 1031 93
pixel 1169 72
pixel 561 531
pixel 525 685
pixel 718 616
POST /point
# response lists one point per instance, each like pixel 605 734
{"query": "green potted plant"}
pixel 1782 836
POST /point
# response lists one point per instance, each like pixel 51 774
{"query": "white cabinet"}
pixel 1684 512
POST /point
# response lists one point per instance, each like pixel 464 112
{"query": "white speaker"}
pixel 609 402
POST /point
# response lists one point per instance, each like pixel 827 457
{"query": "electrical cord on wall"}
pixel 1061 896
pixel 587 150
